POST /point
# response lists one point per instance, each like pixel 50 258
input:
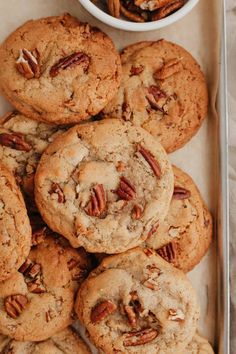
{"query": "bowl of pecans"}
pixel 138 15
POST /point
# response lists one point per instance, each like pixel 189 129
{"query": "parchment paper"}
pixel 198 32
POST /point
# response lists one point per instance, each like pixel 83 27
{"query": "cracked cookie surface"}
pixel 22 142
pixel 37 301
pixel 59 70
pixel 136 302
pixel 64 342
pixel 104 185
pixel 163 90
pixel 185 235
pixel 15 231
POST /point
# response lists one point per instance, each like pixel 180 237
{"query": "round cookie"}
pixel 198 345
pixel 136 302
pixel 22 142
pixel 37 301
pixel 185 235
pixel 15 231
pixel 59 70
pixel 104 185
pixel 163 90
pixel 65 342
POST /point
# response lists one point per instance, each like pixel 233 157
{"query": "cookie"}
pixel 163 90
pixel 104 185
pixel 22 142
pixel 65 342
pixel 136 302
pixel 37 301
pixel 198 345
pixel 59 70
pixel 15 231
pixel 186 233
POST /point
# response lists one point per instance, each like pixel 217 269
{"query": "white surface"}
pixel 136 27
pixel 231 54
pixel 197 32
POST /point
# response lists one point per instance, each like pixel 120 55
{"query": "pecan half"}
pixel 126 111
pixel 181 193
pixel 28 64
pixel 97 203
pixel 114 7
pixel 55 188
pixel 69 62
pixel 167 10
pixel 131 315
pixel 137 212
pixel 133 16
pixel 176 315
pixel 15 141
pixel 140 337
pixel 102 310
pixel 147 155
pixel 168 252
pixel 150 5
pixel 125 190
pixel 170 68
pixel 15 305
pixel 136 70
pixel 153 96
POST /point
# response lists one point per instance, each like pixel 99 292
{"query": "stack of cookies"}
pixel 95 222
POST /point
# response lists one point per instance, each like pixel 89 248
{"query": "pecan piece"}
pixel 152 231
pixel 148 252
pixel 114 7
pixel 15 141
pixel 29 269
pixel 102 310
pixel 126 111
pixel 168 252
pixel 36 287
pixel 147 155
pixel 181 193
pixel 77 271
pixel 15 305
pixel 136 70
pixel 131 15
pixel 151 5
pixel 176 315
pixel 69 62
pixel 125 190
pixel 170 68
pixel 140 337
pixel 167 10
pixel 153 96
pixel 137 212
pixel 131 315
pixel 55 188
pixel 97 203
pixel 28 64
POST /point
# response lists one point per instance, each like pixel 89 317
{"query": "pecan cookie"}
pixel 198 345
pixel 64 342
pixel 104 185
pixel 163 90
pixel 59 70
pixel 186 233
pixel 136 302
pixel 15 231
pixel 37 301
pixel 22 142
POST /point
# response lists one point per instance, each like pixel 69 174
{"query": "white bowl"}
pixel 134 26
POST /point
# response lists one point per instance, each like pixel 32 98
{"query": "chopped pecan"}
pixel 147 155
pixel 136 70
pixel 153 230
pixel 170 68
pixel 167 10
pixel 126 190
pixel 38 236
pixel 153 96
pixel 69 62
pixel 78 272
pixel 168 252
pixel 137 212
pixel 26 266
pixel 36 287
pixel 126 111
pixel 49 315
pixel 148 252
pixel 28 64
pixel 181 193
pixel 102 310
pixel 131 315
pixel 114 7
pixel 15 141
pixel 15 305
pixel 120 166
pixel 140 337
pixel 176 315
pixel 97 203
pixel 55 188
pixel 29 269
